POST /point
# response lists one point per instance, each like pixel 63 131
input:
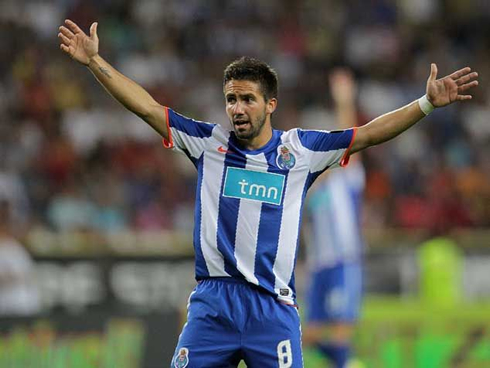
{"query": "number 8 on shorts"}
pixel 284 354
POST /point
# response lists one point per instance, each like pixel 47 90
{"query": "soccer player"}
pixel 335 242
pixel 252 180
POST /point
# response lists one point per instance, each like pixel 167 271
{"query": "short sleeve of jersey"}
pixel 328 149
pixel 186 135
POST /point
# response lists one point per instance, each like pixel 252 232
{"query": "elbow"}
pixel 142 110
pixel 363 139
pixel 155 116
pixel 146 111
pixel 144 115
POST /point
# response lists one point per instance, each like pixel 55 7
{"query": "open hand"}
pixel 77 44
pixel 342 86
pixel 444 91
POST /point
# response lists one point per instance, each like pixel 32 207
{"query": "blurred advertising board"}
pixel 112 301
pixel 165 243
pixel 144 285
pixel 91 339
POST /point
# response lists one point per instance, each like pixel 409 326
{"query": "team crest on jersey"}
pixel 182 359
pixel 285 159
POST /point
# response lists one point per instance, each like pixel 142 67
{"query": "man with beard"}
pixel 252 181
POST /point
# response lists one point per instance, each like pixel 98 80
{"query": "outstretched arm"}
pixel 85 49
pixel 439 93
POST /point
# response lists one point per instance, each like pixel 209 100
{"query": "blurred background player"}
pixel 335 242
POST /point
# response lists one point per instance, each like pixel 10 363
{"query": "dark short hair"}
pixel 250 69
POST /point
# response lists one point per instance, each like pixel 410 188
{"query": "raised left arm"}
pixel 439 93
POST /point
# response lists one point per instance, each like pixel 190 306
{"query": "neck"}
pixel 258 142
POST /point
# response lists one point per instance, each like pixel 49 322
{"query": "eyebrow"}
pixel 241 95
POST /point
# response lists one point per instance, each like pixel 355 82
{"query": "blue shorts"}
pixel 335 294
pixel 229 320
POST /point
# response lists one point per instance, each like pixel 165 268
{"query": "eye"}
pixel 230 99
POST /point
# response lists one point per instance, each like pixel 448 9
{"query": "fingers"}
pixel 466 78
pixel 64 39
pixel 65 49
pixel 463 97
pixel 66 32
pixel 467 86
pixel 433 72
pixel 460 73
pixel 73 27
pixel 462 81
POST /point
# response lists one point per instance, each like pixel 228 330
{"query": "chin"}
pixel 244 136
pixel 241 135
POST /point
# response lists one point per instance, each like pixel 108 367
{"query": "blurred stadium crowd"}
pixel 72 158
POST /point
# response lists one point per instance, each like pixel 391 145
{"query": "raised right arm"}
pixel 85 50
pixel 130 94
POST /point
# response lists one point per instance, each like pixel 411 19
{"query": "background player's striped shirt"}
pixel 334 218
pixel 248 202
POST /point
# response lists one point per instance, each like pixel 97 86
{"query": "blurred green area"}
pixel 119 344
pixel 410 334
pixel 392 333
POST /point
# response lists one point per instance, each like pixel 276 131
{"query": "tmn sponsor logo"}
pixel 254 185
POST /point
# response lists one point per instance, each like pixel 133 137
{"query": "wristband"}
pixel 425 105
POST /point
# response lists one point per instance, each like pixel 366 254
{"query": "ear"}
pixel 271 105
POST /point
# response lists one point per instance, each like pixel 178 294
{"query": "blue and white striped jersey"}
pixel 248 202
pixel 333 211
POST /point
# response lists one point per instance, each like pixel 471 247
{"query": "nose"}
pixel 238 108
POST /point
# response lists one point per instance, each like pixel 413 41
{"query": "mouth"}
pixel 240 123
